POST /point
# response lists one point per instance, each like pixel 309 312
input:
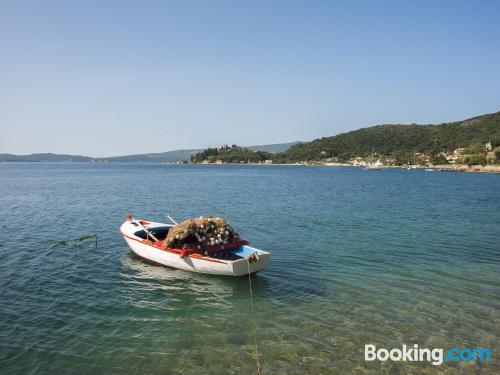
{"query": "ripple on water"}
pixel 357 258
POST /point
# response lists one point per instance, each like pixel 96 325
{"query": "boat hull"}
pixel 196 262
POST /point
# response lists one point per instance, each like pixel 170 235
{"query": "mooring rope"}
pixel 253 320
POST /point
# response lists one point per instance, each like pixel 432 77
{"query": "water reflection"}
pixel 169 288
pixel 280 287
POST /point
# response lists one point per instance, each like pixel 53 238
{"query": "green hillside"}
pixel 399 141
pixel 231 154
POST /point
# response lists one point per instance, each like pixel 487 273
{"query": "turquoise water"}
pixel 383 257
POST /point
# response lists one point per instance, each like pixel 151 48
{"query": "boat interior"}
pixel 158 232
pixel 161 233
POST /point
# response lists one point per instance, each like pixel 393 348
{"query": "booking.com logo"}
pixel 436 356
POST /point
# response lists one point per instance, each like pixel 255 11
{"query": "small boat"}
pixel 146 239
pixel 372 167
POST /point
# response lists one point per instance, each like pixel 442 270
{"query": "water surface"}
pixel 383 257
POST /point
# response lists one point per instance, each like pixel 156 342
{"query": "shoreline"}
pixel 437 168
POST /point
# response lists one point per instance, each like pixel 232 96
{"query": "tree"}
pixel 439 159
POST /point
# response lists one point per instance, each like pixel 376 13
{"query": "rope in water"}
pixel 253 322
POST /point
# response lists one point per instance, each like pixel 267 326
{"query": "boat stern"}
pixel 254 260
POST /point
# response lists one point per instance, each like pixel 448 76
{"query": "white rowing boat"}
pixel 146 239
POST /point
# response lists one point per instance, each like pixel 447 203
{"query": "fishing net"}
pixel 201 233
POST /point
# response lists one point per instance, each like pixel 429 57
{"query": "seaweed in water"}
pixel 79 239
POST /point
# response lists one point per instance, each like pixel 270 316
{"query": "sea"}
pixel 385 258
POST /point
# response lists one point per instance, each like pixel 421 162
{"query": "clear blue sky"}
pixel 115 77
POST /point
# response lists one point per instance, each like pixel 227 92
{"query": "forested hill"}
pixel 231 154
pixel 161 157
pixel 399 141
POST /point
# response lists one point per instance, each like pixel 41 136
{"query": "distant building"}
pixel 488 146
pixel 333 159
pixel 451 158
pixel 454 156
pixel 357 161
pixel 268 162
pixel 218 162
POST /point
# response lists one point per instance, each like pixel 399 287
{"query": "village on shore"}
pixel 459 160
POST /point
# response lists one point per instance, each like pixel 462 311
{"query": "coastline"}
pixel 438 167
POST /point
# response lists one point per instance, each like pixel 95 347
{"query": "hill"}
pixel 181 155
pixel 399 141
pixel 161 157
pixel 231 154
pixel 48 157
pixel 274 148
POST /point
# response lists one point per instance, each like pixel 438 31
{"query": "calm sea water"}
pixel 383 257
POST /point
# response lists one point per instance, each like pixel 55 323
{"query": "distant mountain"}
pixel 274 148
pixel 399 141
pixel 45 157
pixel 180 155
pixel 161 157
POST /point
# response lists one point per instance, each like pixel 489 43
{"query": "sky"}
pixel 105 78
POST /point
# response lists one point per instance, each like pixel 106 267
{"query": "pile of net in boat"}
pixel 200 233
